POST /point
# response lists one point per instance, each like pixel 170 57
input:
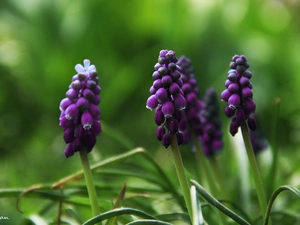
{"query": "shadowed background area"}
pixel 42 41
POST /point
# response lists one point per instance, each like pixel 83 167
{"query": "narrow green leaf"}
pixel 149 222
pixel 117 204
pixel 196 208
pixel 210 199
pixel 273 197
pixel 114 159
pixel 118 212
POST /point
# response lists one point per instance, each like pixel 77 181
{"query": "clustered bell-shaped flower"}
pixel 167 97
pixel 238 94
pixel 80 113
pixel 194 104
pixel 211 123
pixel 258 140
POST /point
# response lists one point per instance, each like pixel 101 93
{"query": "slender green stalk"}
pixel 274 166
pixel 89 182
pixel 203 162
pixel 181 175
pixel 254 167
pixel 205 166
pixel 216 169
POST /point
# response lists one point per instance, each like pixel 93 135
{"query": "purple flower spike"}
pixel 212 134
pixel 167 97
pixel 80 114
pixel 192 105
pixel 238 94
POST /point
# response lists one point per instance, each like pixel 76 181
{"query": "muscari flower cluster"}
pixel 194 104
pixel 258 140
pixel 167 97
pixel 211 124
pixel 80 113
pixel 238 94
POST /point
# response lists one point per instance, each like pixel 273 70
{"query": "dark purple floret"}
pixel 258 140
pixel 193 104
pixel 80 113
pixel 238 95
pixel 212 134
pixel 167 97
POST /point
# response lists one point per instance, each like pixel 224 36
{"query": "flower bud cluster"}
pixel 258 139
pixel 211 123
pixel 167 97
pixel 80 113
pixel 238 94
pixel 194 105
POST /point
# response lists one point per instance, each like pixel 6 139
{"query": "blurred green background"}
pixel 41 41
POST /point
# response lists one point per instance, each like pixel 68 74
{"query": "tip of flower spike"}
pixel 79 68
pixel 86 64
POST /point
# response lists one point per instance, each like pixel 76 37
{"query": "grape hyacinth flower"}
pixel 194 104
pixel 167 97
pixel 80 113
pixel 212 134
pixel 241 108
pixel 238 94
pixel 258 140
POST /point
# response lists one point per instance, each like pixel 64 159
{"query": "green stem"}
pixel 216 169
pixel 255 171
pixel 181 174
pixel 205 166
pixel 203 163
pixel 89 182
pixel 274 166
